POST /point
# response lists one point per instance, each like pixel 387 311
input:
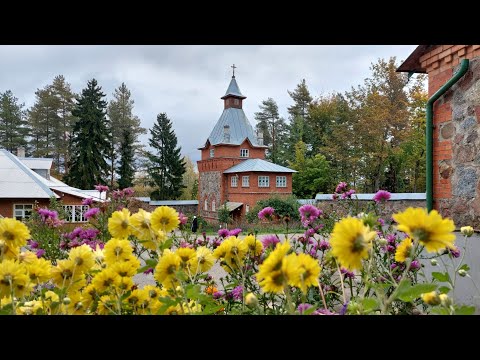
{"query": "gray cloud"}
pixel 187 82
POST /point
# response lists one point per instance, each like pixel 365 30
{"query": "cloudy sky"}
pixel 187 82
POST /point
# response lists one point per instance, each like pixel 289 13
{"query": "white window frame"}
pixel 247 208
pixel 244 153
pixel 246 181
pixel 213 205
pixel 264 181
pixel 205 206
pixel 21 211
pixel 234 181
pixel 212 153
pixel 75 213
pixel 281 182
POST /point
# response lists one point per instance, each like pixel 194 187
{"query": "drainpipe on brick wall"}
pixel 429 133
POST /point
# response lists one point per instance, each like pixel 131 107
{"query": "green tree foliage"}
pixel 13 126
pixel 166 165
pixel 284 206
pixel 51 122
pixel 190 181
pixel 90 144
pixel 273 128
pixel 126 170
pixel 120 113
pixel 313 174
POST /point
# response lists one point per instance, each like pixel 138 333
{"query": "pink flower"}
pixel 128 192
pixel 235 232
pixel 341 187
pixel 266 213
pixel 88 201
pixel 101 188
pixel 183 219
pixel 270 241
pixel 309 214
pixel 91 213
pixel 223 233
pixel 382 195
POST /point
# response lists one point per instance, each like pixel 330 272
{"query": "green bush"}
pixel 284 206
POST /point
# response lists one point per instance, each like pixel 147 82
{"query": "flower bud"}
pixel 467 230
pixel 431 298
pixel 66 300
pixel 434 262
pixel 445 300
pixel 462 273
pixel 382 241
pixel 251 300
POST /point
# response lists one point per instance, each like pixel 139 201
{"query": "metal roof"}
pixel 37 163
pixel 394 196
pixel 143 198
pixel 233 90
pixel 18 181
pixel 258 165
pixel 240 128
pixel 173 202
pixel 233 205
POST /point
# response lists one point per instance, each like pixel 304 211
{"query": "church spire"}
pixel 233 96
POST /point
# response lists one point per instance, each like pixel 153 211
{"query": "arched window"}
pixel 205 207
pixel 213 205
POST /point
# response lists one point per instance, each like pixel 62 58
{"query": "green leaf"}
pixel 151 262
pixel 143 268
pixel 369 304
pixel 408 293
pixel 465 310
pixel 441 276
pixel 439 310
pixel 464 267
pixel 444 290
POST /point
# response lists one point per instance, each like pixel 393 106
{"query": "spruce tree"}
pixel 126 170
pixel 90 139
pixel 13 126
pixel 166 166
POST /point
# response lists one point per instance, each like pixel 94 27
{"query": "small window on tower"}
pixel 237 102
pixel 212 152
pixel 243 152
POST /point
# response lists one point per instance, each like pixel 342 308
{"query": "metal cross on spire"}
pixel 233 67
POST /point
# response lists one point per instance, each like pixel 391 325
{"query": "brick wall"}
pixel 456 163
pixel 6 205
pixel 233 151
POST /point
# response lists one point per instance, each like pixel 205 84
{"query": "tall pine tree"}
pixel 166 166
pixel 90 139
pixel 126 170
pixel 120 113
pixel 13 126
pixel 273 128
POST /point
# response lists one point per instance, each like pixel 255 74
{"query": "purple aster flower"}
pixel 117 194
pixel 323 312
pixel 40 253
pixel 309 232
pixel 455 252
pixel 347 273
pixel 199 242
pixel 223 233
pixel 303 307
pixel 47 214
pixel 415 265
pixel 341 187
pixel 235 232
pixel 381 221
pixel 391 239
pixel 217 295
pixel 183 219
pixel 148 271
pixel 184 244
pixel 33 244
pixel 87 201
pixel 266 213
pixel 101 188
pixel 63 245
pixel 237 293
pixel 309 213
pixel 348 194
pixel 128 192
pixel 382 195
pixel 270 241
pixel 91 213
pixel 335 197
pixel 391 249
pixel 313 253
pixel 393 266
pixel 323 245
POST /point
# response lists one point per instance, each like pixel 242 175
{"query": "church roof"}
pixel 240 129
pixel 233 90
pixel 258 165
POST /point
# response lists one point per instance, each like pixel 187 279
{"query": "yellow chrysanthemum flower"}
pixel 274 261
pixel 203 261
pixel 192 307
pixel 117 250
pixel 119 224
pixel 99 257
pixel 140 224
pixel 26 257
pixel 5 301
pixel 431 298
pixel 276 280
pixel 39 270
pixel 14 232
pixel 309 272
pixel 13 277
pixel 125 284
pixel 221 250
pixel 430 230
pixel 106 305
pixel 105 279
pixel 139 299
pixel 8 252
pixel 126 268
pixel 152 291
pixel 83 258
pixel 76 305
pixel 164 218
pixel 165 271
pixel 255 246
pixel 30 308
pixel 187 255
pixel 236 250
pixel 64 274
pixel 90 295
pixel 403 250
pixel 51 296
pixel 351 241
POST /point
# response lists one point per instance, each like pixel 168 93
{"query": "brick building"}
pixel 454 91
pixel 233 170
pixel 26 183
